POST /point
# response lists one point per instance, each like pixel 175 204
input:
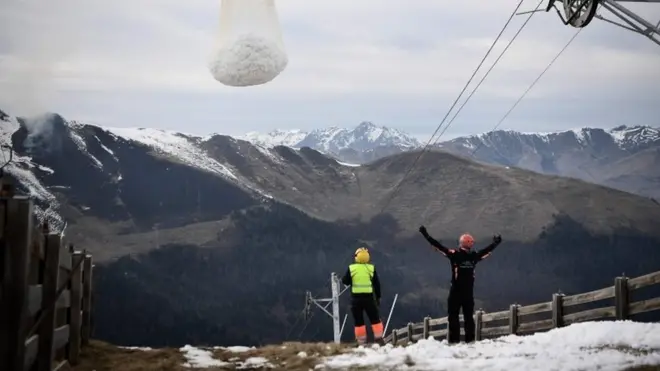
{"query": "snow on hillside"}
pixel 22 169
pixel 288 138
pixel 634 136
pixel 173 144
pixel 623 136
pixel 185 149
pixel 607 345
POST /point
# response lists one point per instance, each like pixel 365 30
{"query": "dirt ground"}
pixel 100 356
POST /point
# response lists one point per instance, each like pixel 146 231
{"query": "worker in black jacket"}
pixel 461 294
pixel 365 295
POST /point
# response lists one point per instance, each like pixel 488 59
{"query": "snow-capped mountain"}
pixel 622 138
pixel 289 138
pixel 625 157
pixel 366 136
pixel 56 161
pixel 358 145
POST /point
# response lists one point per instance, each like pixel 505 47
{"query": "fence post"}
pixel 395 337
pixel 13 305
pixel 478 324
pixel 75 309
pixel 621 297
pixel 513 319
pixel 87 301
pixel 49 296
pixel 410 332
pixel 427 327
pixel 557 310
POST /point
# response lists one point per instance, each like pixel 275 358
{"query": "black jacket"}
pixel 463 262
pixel 375 282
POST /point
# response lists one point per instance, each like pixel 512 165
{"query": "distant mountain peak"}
pixel 367 125
pixel 274 138
pixel 364 137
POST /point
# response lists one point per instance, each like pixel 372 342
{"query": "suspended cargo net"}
pixel 249 48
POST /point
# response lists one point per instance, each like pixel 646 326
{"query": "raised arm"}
pixel 438 246
pixel 485 252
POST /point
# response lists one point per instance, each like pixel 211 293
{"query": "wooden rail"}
pixel 45 293
pixel 517 316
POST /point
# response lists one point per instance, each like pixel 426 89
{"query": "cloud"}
pixel 396 62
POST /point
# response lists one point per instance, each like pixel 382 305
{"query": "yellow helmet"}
pixel 362 255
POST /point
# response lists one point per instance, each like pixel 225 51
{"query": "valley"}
pixel 215 240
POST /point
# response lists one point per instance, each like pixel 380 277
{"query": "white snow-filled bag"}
pixel 249 47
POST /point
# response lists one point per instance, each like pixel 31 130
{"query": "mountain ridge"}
pixel 365 137
pixel 586 153
pixel 192 167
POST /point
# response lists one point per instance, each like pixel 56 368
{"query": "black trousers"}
pixel 460 298
pixel 364 303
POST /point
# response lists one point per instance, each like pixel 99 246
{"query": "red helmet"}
pixel 466 241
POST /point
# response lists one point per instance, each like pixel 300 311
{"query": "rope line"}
pixel 398 185
pixel 288 334
pixel 512 108
pixel 489 70
pixel 309 320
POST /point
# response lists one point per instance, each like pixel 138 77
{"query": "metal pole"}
pixel 390 316
pixel 335 307
pixel 343 325
pixel 631 14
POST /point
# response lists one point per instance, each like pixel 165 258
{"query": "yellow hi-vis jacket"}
pixel 361 275
pixel 363 279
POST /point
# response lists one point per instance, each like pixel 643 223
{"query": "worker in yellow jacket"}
pixel 365 295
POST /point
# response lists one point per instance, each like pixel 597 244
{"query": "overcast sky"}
pixel 398 63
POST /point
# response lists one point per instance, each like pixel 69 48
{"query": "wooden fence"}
pixel 45 293
pixel 552 314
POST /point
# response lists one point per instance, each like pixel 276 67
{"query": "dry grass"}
pixel 100 356
pixel 286 356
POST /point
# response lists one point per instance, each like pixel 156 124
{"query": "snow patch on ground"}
pixel 145 349
pixel 236 349
pixel 200 358
pixel 253 362
pixel 607 345
pixel 347 164
pixel 584 346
